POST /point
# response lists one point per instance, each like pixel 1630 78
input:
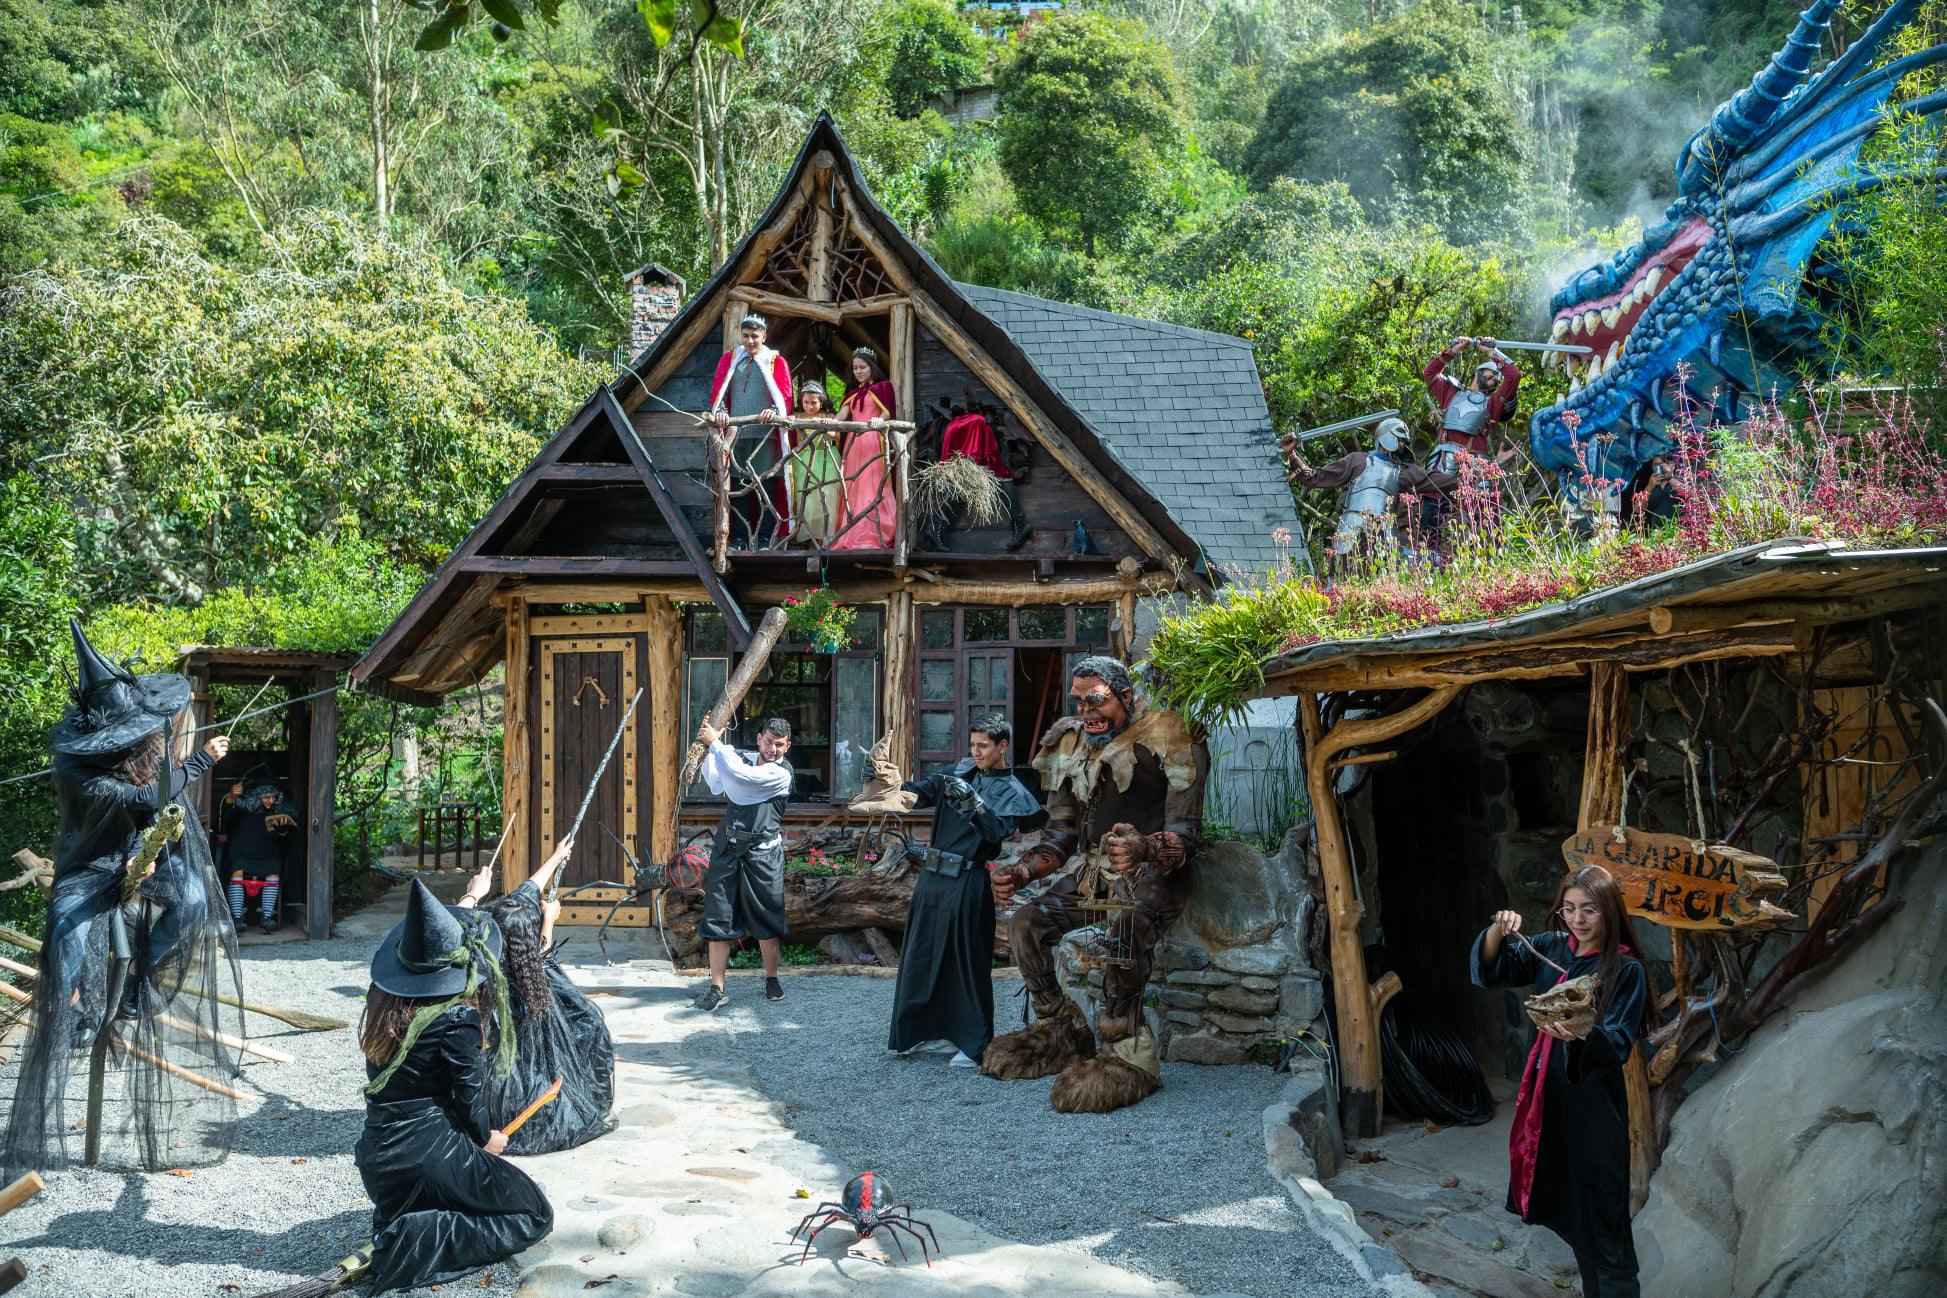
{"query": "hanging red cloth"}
pixel 972 436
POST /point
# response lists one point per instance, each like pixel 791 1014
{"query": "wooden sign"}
pixel 1665 880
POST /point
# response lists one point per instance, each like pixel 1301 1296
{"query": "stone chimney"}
pixel 655 296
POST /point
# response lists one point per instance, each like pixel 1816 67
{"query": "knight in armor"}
pixel 946 965
pixel 113 779
pixel 755 380
pixel 743 889
pixel 1374 481
pixel 1468 414
pixel 1124 789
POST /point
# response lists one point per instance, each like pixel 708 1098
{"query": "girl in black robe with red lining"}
pixel 1568 1151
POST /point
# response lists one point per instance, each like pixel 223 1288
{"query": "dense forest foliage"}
pixel 289 291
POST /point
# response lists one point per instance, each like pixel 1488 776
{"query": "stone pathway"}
pixel 1436 1199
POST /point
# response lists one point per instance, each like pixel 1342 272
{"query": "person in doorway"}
pixel 1468 413
pixel 1568 1151
pixel 256 831
pixel 946 982
pixel 817 475
pixel 1124 787
pixel 743 889
pixel 435 1034
pixel 871 513
pixel 755 380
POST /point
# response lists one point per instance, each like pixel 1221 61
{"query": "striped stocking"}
pixel 236 896
pixel 270 895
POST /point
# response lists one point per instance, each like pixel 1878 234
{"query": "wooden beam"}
pixel 877 304
pixel 573 565
pixel 1058 443
pixel 1103 590
pixel 757 255
pixel 905 394
pixel 321 801
pixel 733 314
pixel 819 265
pixel 1674 618
pixel 1359 1003
pixel 1635 652
pixel 666 742
pixel 516 801
pixel 779 305
pixel 901 654
pixel 602 592
pixel 624 473
pixel 443 640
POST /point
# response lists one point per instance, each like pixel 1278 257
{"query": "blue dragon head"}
pixel 1716 286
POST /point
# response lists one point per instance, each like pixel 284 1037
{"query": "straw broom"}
pixel 235 1043
pixel 958 483
pixel 296 1018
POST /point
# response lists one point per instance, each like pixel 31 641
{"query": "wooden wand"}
pixel 546 1097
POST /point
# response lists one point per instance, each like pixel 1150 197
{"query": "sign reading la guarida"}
pixel 1666 880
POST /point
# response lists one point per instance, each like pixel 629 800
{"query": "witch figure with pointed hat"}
pixel 168 1093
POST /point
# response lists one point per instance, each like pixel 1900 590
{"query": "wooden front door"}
pixel 582 685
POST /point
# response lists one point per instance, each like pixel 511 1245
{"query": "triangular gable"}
pixel 968 333
pixel 449 613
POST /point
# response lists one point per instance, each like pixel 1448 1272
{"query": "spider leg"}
pixel 894 1225
pixel 889 1224
pixel 906 1216
pixel 827 1208
pixel 829 1218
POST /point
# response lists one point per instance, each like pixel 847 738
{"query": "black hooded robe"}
pixel 571 1041
pixel 442 1206
pixel 946 981
pixel 1580 1186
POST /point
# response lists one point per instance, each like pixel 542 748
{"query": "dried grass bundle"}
pixel 959 484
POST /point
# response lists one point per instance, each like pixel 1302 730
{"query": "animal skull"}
pixel 1569 1005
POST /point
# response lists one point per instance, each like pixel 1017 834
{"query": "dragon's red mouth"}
pixel 1603 324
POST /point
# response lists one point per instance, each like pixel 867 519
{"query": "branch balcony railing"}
pixel 805 499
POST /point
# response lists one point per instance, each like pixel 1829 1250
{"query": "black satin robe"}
pixel 946 962
pixel 442 1206
pixel 1581 1175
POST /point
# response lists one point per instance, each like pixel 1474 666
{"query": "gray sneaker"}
pixel 712 999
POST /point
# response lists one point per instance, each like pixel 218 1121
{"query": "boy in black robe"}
pixel 946 984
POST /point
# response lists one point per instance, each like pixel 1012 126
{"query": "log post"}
pixel 321 797
pixel 1359 1002
pixel 666 742
pixel 900 721
pixel 905 389
pixel 516 780
pixel 1602 792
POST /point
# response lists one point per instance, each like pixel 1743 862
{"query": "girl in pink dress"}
pixel 871 513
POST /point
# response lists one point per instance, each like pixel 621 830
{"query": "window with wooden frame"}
pixel 974 661
pixel 830 699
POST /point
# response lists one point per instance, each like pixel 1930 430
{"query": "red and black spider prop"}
pixel 866 1205
pixel 650 883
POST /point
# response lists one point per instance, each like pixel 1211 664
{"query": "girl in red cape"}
pixel 871 513
pixel 1568 1152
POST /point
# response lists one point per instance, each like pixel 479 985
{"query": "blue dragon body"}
pixel 1720 286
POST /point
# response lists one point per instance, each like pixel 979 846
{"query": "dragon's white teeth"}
pixel 1612 314
pixel 1589 319
pixel 1595 368
pixel 1615 350
pixel 1651 280
pixel 1561 328
pixel 1575 326
pixel 1574 385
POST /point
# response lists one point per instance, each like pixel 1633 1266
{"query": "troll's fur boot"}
pixel 1123 1073
pixel 1058 1038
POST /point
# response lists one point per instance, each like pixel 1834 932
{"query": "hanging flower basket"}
pixel 817 619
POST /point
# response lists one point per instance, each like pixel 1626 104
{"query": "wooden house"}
pixel 1144 458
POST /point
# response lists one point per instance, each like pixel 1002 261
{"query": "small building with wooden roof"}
pixel 1745 741
pixel 621 559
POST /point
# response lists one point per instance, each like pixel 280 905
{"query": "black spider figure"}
pixel 866 1205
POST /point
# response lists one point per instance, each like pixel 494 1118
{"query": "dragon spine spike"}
pixel 1753 107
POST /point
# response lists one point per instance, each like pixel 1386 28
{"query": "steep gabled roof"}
pixel 1181 408
pixel 1224 437
pixel 450 624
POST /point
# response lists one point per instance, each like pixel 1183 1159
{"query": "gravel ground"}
pixel 1174 1188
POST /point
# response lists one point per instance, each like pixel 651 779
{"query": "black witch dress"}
pixel 1569 1145
pixel 946 981
pixel 442 1206
pixel 570 1041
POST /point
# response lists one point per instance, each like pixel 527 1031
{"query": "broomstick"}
pixel 296 1018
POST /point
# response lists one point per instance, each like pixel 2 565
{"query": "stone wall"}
pixel 1231 976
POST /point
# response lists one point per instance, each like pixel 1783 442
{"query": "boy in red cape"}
pixel 755 380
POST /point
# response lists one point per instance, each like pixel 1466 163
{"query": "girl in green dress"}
pixel 817 475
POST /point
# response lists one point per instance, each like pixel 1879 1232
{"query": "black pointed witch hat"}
pixel 418 956
pixel 113 708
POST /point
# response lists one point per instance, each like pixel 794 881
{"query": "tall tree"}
pixel 1092 120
